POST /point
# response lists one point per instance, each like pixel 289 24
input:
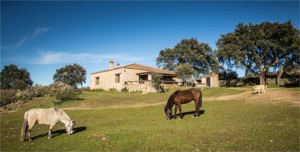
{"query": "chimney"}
pixel 118 65
pixel 111 64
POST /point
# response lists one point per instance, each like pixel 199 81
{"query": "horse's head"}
pixel 69 127
pixel 168 112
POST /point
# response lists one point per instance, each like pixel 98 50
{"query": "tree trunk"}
pixel 262 77
pixel 278 78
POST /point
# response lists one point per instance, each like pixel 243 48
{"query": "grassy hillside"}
pixel 234 119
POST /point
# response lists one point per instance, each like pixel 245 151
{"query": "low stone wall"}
pixel 143 87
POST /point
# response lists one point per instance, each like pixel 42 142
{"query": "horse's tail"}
pixel 200 99
pixel 24 127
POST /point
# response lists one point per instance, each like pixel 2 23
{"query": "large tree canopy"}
pixel 71 75
pixel 259 47
pixel 189 51
pixel 14 78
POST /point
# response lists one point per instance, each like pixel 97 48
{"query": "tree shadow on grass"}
pixel 60 132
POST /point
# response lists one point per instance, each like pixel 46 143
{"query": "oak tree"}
pixel 72 75
pixel 13 77
pixel 198 55
pixel 259 47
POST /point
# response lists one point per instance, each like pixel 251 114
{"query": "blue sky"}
pixel 45 36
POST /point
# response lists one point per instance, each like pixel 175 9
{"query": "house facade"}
pixel 211 80
pixel 134 77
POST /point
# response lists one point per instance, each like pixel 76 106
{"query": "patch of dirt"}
pixel 278 96
pixel 270 96
pixel 243 95
pixel 99 137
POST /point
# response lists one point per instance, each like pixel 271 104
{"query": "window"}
pixel 97 81
pixel 143 78
pixel 117 78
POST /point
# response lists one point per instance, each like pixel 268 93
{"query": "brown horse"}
pixel 183 97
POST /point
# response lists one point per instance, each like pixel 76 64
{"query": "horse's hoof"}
pixel 29 139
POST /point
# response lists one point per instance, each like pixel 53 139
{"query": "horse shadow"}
pixel 60 132
pixel 255 93
pixel 201 112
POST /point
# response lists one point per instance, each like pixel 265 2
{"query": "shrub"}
pixel 157 79
pixel 124 90
pixel 58 87
pixel 97 90
pixel 113 90
pixel 63 92
pixel 39 91
pixel 25 95
pixel 8 97
pixel 66 95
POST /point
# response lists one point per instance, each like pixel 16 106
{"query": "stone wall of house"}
pixel 215 81
pixel 107 79
pixel 144 87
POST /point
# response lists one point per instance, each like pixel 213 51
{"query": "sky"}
pixel 47 35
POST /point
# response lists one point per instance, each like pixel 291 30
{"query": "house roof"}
pixel 141 67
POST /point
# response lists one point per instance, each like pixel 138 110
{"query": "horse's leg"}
pixel 30 125
pixel 196 108
pixel 175 111
pixel 181 116
pixel 50 129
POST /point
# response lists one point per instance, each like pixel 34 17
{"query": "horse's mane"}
pixel 60 111
pixel 171 99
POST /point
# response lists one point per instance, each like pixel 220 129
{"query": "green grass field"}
pixel 111 121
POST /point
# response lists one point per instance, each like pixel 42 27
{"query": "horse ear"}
pixel 73 122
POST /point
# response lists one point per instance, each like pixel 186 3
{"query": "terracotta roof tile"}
pixel 140 67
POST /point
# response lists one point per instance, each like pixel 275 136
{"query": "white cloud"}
pixel 39 31
pixel 27 38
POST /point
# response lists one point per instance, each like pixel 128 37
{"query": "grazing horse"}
pixel 259 88
pixel 183 97
pixel 49 116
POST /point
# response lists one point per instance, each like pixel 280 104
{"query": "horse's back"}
pixel 31 115
pixel 196 92
pixel 44 116
pixel 260 86
pixel 185 96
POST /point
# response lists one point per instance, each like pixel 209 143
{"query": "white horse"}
pixel 259 89
pixel 49 116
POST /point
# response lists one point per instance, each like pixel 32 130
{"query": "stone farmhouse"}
pixel 134 77
pixel 211 80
